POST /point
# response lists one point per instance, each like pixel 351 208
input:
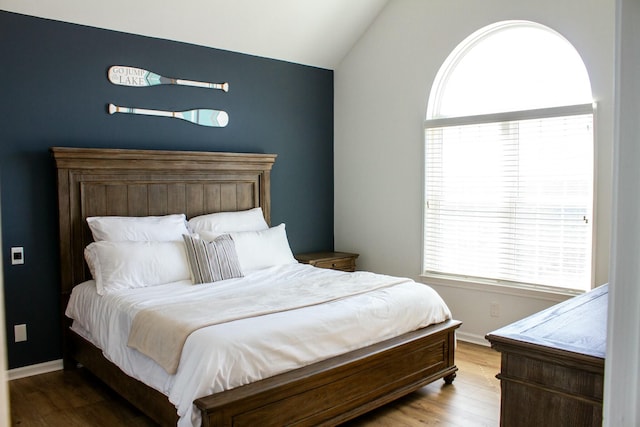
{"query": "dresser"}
pixel 344 261
pixel 552 364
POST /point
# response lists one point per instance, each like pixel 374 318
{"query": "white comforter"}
pixel 227 355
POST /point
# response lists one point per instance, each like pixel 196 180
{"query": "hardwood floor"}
pixel 75 398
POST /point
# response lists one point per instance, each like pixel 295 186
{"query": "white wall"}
pixel 381 92
pixel 622 374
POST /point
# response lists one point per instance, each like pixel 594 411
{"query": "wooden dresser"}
pixel 552 371
pixel 335 260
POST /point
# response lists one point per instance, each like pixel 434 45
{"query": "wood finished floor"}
pixel 75 398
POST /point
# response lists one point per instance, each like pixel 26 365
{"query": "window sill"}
pixel 548 294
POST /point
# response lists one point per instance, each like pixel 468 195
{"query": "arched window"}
pixel 509 163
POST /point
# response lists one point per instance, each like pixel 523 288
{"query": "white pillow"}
pixel 262 249
pixel 127 265
pixel 138 228
pixel 216 224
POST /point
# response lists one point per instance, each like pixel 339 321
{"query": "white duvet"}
pixel 227 355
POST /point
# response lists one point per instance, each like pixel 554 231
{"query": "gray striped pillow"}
pixel 212 261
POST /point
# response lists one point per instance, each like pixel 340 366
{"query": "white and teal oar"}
pixel 202 117
pixel 139 77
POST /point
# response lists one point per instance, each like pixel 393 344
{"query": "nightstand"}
pixel 335 260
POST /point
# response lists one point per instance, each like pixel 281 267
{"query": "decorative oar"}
pixel 203 117
pixel 139 77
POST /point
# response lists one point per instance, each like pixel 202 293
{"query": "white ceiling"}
pixel 311 32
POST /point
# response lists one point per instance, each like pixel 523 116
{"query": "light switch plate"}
pixel 17 255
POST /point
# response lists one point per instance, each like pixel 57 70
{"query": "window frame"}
pixel 502 286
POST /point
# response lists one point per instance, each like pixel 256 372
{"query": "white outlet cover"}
pixel 20 332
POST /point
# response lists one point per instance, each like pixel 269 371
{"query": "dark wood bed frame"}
pixel 97 182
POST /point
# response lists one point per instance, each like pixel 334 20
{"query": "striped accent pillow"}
pixel 212 261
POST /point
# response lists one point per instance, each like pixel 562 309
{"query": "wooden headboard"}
pixel 99 182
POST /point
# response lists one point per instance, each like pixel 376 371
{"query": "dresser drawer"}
pixel 334 260
pixel 345 264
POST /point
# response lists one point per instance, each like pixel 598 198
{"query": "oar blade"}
pixel 133 77
pixel 206 117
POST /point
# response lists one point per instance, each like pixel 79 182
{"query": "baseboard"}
pixel 472 338
pixel 40 368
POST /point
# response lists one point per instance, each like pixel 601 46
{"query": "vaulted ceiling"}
pixel 311 32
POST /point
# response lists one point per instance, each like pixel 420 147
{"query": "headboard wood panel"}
pixel 100 182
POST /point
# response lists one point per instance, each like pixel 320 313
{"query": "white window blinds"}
pixel 509 197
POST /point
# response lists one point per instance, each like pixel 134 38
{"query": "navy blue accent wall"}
pixel 54 91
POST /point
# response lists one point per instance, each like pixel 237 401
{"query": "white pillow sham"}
pixel 216 224
pixel 144 228
pixel 262 249
pixel 127 265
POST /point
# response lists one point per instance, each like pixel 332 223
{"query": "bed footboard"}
pixel 341 388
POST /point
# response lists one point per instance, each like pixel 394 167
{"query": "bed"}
pixel 138 183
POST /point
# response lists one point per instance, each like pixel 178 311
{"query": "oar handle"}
pixel 219 86
pixel 130 110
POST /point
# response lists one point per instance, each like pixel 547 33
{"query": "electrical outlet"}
pixel 494 309
pixel 20 332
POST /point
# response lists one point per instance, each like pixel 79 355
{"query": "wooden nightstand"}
pixel 335 260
